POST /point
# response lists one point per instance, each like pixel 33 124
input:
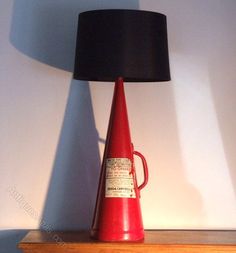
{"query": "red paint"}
pixel 116 218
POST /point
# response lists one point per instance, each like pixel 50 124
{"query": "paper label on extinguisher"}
pixel 119 179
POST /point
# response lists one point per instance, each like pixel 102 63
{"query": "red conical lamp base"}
pixel 117 214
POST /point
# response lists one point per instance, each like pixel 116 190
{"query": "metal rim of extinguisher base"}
pixel 117 215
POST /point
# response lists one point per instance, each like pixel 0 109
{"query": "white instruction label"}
pixel 119 179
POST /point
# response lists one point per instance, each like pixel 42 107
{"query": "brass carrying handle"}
pixel 145 170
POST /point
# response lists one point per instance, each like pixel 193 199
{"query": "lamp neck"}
pixel 119 80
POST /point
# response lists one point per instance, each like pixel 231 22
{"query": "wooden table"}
pixel 171 241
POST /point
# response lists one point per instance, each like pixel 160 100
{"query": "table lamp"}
pixel 131 46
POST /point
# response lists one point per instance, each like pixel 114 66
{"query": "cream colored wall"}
pixel 52 128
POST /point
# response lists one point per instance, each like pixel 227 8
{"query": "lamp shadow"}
pixel 222 77
pixel 46 31
pixel 223 90
pixel 9 240
pixel 72 190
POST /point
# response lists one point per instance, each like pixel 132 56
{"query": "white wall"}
pixel 52 127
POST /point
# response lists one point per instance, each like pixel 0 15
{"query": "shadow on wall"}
pixel 46 31
pixel 72 191
pixel 223 84
pixel 9 240
pixel 224 90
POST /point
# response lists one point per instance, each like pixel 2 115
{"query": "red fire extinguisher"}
pixel 117 215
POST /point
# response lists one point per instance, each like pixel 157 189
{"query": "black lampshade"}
pixel 122 43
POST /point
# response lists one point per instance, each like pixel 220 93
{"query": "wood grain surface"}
pixel 175 241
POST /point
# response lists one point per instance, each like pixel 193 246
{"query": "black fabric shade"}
pixel 122 43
